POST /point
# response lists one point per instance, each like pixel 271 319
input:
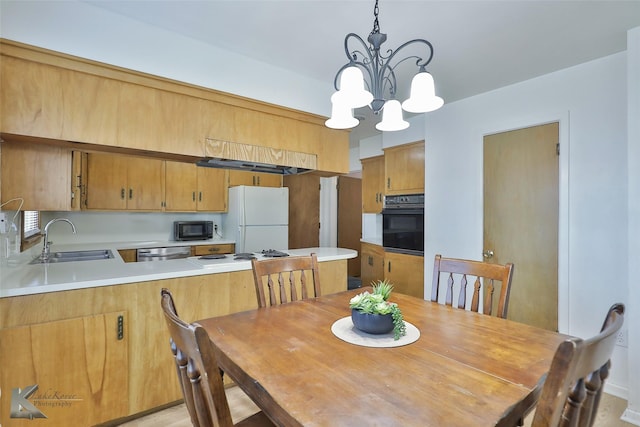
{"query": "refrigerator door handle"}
pixel 242 233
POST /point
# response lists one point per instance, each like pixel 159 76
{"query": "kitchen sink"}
pixel 71 256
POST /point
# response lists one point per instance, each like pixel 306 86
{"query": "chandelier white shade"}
pixel 352 92
pixel 392 117
pixel 341 117
pixel 422 98
pixel 369 78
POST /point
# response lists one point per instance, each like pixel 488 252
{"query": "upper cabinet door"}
pixel 145 183
pixel 255 179
pixel 117 182
pixel 39 174
pixel 372 184
pixel 181 187
pixel 212 189
pixel 404 169
pixel 32 98
pixel 106 182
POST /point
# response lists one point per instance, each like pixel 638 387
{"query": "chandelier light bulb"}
pixel 341 116
pixel 352 91
pixel 423 95
pixel 392 117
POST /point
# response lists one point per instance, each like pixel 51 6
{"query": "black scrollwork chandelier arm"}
pixel 378 69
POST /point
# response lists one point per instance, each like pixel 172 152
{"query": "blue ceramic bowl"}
pixel 372 323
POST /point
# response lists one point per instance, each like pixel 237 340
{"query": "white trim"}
pixel 632 417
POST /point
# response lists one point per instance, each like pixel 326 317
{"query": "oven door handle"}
pixel 403 211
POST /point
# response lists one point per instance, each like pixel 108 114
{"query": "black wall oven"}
pixel 403 224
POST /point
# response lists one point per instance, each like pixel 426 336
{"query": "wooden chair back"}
pixel 198 373
pixel 283 279
pixel 572 389
pixel 461 272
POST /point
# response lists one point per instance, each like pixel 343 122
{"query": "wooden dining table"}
pixel 465 369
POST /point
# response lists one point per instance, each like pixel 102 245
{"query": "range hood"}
pixel 217 162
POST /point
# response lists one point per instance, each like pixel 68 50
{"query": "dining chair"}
pixel 572 389
pixel 459 271
pixel 199 375
pixel 297 270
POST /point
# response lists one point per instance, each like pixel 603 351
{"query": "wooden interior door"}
pixel 521 190
pixel 304 210
pixel 350 219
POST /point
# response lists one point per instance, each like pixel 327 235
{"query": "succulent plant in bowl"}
pixel 372 312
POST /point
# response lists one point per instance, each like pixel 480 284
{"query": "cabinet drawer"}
pixel 226 248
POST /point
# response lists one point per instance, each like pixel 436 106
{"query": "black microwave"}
pixel 192 230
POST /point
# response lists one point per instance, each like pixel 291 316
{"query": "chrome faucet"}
pixel 46 248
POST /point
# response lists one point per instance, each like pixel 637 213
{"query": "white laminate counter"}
pixel 18 277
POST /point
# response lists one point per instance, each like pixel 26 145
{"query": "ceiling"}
pixel 479 45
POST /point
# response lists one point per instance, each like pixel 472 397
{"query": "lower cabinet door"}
pixel 69 372
pixel 405 272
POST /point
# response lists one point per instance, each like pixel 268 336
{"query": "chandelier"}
pixel 368 66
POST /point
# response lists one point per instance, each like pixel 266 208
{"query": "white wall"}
pixel 590 102
pixel 632 414
pixel 120 226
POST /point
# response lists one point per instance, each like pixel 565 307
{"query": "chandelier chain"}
pixel 376 25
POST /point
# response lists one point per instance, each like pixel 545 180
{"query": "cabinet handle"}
pixel 389 267
pixel 200 196
pixel 193 195
pixel 388 182
pixel 122 193
pixel 120 327
pixel 214 249
pixel 258 178
pixel 377 197
pixel 371 260
pixel 253 180
pixel 130 193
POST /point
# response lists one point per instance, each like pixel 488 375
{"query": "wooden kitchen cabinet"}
pixel 38 173
pixel 79 366
pixel 255 179
pixel 220 248
pixel 213 194
pixel 373 184
pixel 371 263
pixel 118 182
pixel 404 169
pixel 181 187
pixel 48 94
pixel 159 120
pixel 405 272
pixel 190 188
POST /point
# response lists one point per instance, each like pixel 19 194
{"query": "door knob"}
pixel 487 254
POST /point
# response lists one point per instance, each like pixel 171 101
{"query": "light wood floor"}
pixel 177 416
pixel 241 406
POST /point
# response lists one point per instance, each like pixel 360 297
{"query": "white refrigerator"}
pixel 258 218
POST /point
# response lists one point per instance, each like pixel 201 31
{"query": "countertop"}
pixel 18 277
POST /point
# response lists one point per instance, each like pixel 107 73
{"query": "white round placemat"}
pixel 344 329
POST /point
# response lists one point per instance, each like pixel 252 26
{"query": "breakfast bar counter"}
pixel 94 329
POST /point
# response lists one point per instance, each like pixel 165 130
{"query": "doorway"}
pixel 521 212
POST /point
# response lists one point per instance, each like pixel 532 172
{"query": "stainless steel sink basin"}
pixel 71 256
